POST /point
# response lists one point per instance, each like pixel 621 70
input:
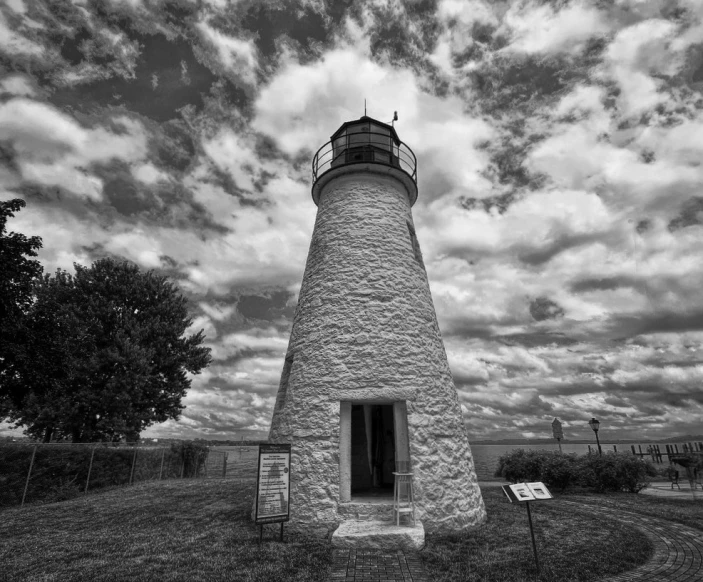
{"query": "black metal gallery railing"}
pixel 364 147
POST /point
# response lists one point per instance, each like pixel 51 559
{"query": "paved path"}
pixel 376 565
pixel 678 550
pixel 684 491
pixel 678 554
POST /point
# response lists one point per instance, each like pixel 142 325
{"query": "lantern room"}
pixel 365 144
pixel 365 140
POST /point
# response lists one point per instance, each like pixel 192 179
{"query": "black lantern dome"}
pixel 365 144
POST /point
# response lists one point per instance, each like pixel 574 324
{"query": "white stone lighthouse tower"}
pixel 366 381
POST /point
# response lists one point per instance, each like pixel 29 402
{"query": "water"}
pixel 242 461
pixel 486 456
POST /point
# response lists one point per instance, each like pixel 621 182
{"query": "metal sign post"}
pixel 273 487
pixel 261 533
pixel 524 493
pixel 532 534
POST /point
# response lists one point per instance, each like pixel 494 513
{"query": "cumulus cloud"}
pixel 53 149
pixel 15 43
pixel 234 344
pixel 17 85
pixel 636 55
pixel 236 55
pixel 559 214
pixel 536 28
pixel 148 173
pixel 234 154
pixel 297 107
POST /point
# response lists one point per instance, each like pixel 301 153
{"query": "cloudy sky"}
pixel 559 148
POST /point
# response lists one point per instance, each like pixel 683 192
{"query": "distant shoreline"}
pixel 552 441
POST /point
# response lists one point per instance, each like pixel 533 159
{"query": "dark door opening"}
pixel 373 449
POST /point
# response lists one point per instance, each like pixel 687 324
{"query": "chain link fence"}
pixel 49 472
pixel 240 461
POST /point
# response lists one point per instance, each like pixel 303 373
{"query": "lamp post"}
pixel 595 424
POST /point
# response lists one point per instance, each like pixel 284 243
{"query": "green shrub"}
pixel 520 465
pixel 616 472
pixel 610 472
pixel 193 456
pixel 559 470
pixel 554 468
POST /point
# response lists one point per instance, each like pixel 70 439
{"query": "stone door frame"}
pixel 400 435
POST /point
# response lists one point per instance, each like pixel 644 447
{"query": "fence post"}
pixel 26 484
pixel 224 466
pixel 183 464
pixel 134 460
pixel 90 468
pixel 161 471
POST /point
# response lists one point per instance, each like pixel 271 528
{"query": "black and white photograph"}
pixel 339 290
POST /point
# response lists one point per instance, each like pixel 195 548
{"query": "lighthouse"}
pixel 366 384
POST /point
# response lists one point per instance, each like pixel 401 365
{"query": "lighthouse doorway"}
pixel 373 449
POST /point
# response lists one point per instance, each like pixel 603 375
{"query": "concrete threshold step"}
pixel 377 534
pixel 373 510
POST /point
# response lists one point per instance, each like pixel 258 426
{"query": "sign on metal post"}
pixel 524 493
pixel 557 431
pixel 273 486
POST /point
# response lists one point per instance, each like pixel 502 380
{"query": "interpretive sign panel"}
pixel 527 492
pixel 273 484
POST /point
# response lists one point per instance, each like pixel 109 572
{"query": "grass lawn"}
pixel 572 546
pixel 195 530
pixel 189 530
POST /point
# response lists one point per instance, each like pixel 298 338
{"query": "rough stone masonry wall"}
pixel 365 322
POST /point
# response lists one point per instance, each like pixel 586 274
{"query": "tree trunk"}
pixel 48 432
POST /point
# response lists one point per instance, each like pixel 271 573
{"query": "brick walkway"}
pixel 678 554
pixel 678 550
pixel 376 565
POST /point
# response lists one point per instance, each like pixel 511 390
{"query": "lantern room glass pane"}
pixel 382 156
pixel 339 144
pixel 358 134
pixel 381 137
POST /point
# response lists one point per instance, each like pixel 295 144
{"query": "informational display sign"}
pixel 524 493
pixel 527 492
pixel 273 484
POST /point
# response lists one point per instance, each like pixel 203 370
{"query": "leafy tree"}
pixel 17 274
pixel 105 355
